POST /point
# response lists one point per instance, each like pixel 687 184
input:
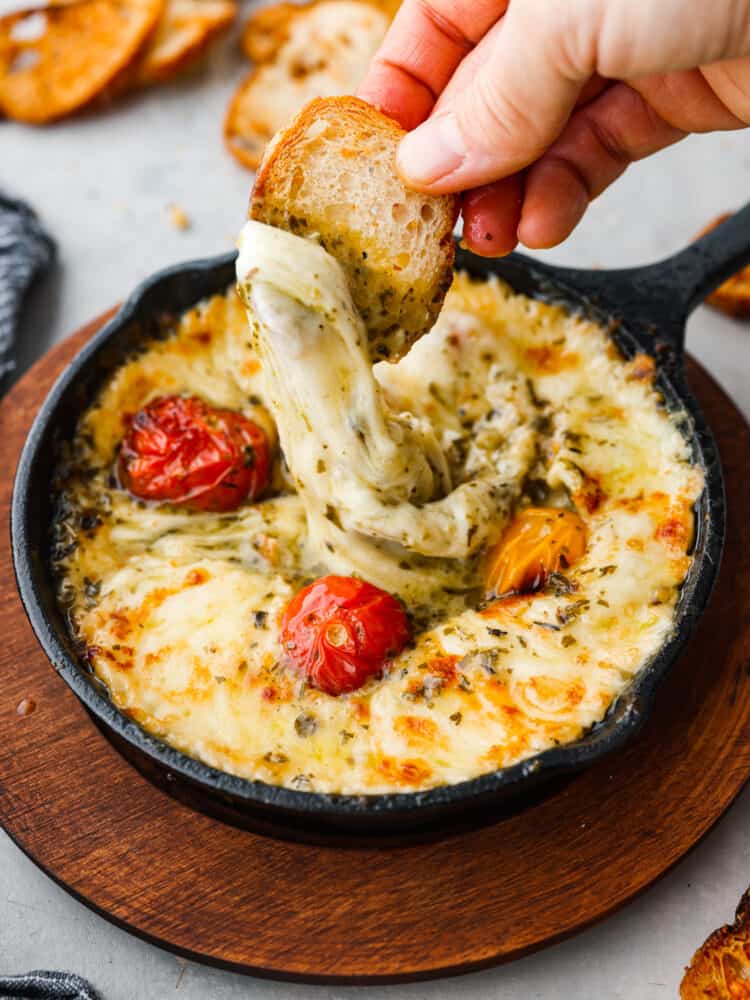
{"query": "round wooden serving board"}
pixel 224 896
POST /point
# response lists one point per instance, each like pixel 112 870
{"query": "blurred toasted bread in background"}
pixel 301 51
pixel 733 297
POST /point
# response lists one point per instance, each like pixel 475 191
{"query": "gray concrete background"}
pixel 104 184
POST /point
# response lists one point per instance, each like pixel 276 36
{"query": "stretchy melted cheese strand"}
pixel 360 467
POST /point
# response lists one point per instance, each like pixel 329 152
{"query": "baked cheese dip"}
pixel 300 568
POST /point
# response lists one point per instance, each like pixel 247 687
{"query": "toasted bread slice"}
pixel 721 966
pixel 331 175
pixel 268 28
pixel 733 297
pixel 55 61
pixel 389 7
pixel 185 30
pixel 323 49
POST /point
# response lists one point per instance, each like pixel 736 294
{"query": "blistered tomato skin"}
pixel 539 541
pixel 340 630
pixel 181 451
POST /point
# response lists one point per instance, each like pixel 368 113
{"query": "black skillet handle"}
pixel 657 299
pixel 697 270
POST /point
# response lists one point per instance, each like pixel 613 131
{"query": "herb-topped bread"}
pixel 331 175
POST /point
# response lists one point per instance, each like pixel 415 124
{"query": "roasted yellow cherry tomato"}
pixel 537 542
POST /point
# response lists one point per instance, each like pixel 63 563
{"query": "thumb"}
pixel 504 107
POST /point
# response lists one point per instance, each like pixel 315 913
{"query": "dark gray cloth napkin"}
pixel 26 251
pixel 46 986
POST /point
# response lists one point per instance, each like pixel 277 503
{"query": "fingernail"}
pixel 432 151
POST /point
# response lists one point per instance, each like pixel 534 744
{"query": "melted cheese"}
pixel 178 612
pixel 374 479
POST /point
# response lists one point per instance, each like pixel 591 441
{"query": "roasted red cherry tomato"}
pixel 180 450
pixel 339 631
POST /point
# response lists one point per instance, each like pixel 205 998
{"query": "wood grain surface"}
pixel 224 896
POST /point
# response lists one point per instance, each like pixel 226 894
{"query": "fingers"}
pixel 513 89
pixel 398 94
pixel 686 101
pixel 634 40
pixel 426 42
pixel 514 94
pixel 507 110
pixel 491 217
pixel 599 143
pixel 492 213
pixel 558 199
pixel 730 82
pixel 623 124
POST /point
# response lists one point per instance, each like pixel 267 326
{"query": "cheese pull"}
pixel 328 406
pixel 361 468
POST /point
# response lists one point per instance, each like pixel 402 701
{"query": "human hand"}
pixel 534 107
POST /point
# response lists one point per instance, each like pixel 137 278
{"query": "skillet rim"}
pixel 625 715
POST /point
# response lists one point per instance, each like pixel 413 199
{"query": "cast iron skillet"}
pixel 645 307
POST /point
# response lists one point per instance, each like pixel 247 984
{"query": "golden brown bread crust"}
pixel 245 145
pixel 720 969
pixel 398 282
pixel 181 39
pixel 733 297
pixel 267 29
pixel 301 51
pixel 282 154
pixel 183 35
